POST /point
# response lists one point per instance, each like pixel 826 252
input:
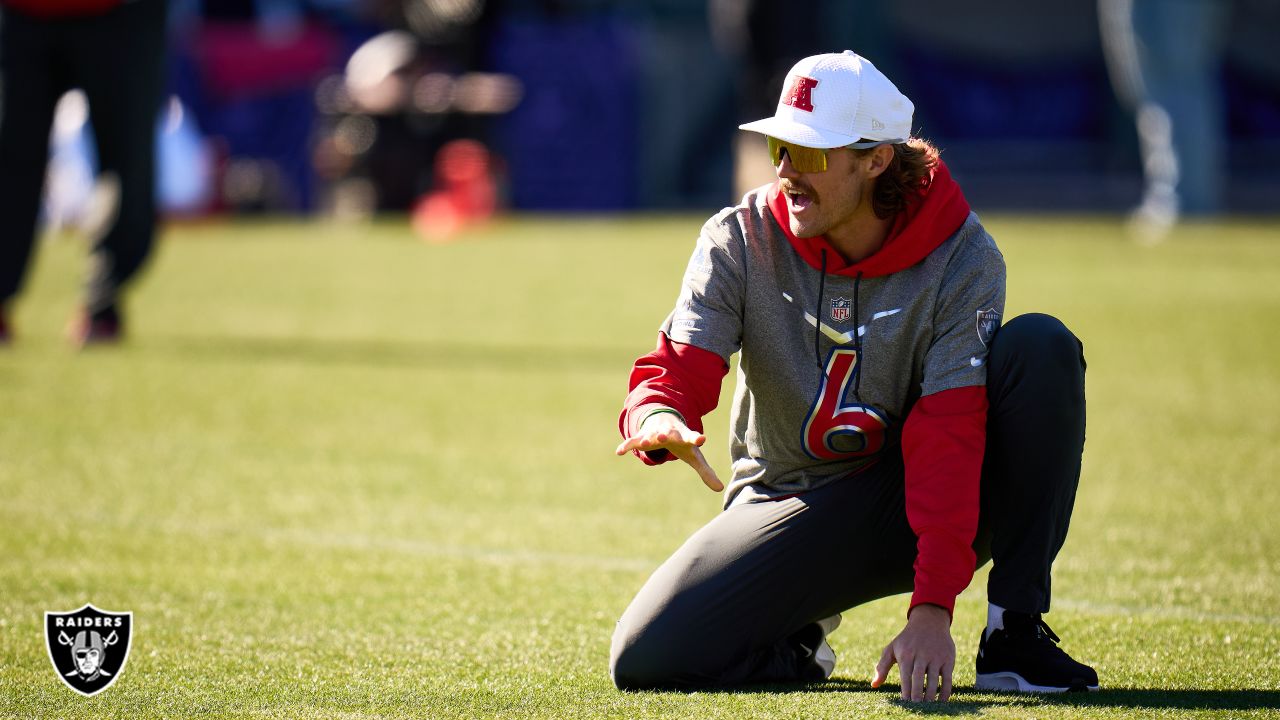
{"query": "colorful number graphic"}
pixel 835 430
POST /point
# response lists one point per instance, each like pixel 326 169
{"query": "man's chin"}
pixel 803 231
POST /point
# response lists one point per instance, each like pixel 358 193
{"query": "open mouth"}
pixel 798 200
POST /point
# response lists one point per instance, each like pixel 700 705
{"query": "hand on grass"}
pixel 666 431
pixel 925 655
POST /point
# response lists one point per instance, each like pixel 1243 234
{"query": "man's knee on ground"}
pixel 653 655
pixel 638 660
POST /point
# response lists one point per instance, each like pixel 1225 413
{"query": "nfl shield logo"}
pixel 88 646
pixel 988 323
pixel 840 309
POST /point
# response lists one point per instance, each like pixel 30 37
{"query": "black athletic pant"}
pixel 117 59
pixel 725 608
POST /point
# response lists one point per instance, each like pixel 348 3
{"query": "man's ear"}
pixel 878 160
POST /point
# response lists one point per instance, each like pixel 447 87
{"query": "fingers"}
pixel 693 456
pixel 683 443
pixel 706 473
pixel 920 682
pixel 643 441
pixel 905 670
pixel 709 478
pixel 882 668
pixel 925 657
pixel 929 683
pixel 689 436
pixel 661 439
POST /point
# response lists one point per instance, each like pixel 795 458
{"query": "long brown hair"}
pixel 907 176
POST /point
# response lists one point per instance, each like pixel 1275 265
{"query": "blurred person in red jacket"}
pixel 114 51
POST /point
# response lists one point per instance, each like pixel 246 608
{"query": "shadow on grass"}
pixel 1154 698
pixel 447 354
pixel 967 700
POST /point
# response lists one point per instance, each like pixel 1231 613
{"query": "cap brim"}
pixel 794 132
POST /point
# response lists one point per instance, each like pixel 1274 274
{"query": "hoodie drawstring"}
pixel 857 338
pixel 857 330
pixel 817 327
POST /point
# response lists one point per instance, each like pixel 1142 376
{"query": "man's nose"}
pixel 784 168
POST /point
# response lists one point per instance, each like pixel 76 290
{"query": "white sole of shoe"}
pixel 826 659
pixel 824 655
pixel 1013 682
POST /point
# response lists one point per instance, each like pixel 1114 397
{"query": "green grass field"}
pixel 338 473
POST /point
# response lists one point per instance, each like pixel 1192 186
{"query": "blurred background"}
pixel 452 109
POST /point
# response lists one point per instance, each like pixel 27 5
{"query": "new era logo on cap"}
pixel 837 99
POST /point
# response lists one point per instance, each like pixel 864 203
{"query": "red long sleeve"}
pixel 942 448
pixel 684 378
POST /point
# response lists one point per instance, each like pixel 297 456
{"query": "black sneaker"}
pixel 814 650
pixel 1024 656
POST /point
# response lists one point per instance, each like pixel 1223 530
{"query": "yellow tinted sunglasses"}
pixel 807 159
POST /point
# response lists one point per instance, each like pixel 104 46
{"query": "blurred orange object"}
pixel 465 192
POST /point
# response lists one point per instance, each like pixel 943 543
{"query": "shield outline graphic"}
pixel 991 316
pixel 49 641
pixel 840 307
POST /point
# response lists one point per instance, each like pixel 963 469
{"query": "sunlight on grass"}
pixel 339 473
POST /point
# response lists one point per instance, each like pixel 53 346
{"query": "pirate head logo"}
pixel 988 323
pixel 88 646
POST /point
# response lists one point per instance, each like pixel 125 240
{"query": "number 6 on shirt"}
pixel 835 430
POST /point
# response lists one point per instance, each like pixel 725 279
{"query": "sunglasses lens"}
pixel 803 159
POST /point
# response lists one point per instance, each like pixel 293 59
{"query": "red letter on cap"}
pixel 800 94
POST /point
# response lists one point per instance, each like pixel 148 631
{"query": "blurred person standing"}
pixel 1165 58
pixel 114 51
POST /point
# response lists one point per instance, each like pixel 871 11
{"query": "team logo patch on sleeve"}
pixel 840 309
pixel 88 646
pixel 988 324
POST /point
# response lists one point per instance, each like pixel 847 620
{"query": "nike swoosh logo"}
pixel 975 362
pixel 839 337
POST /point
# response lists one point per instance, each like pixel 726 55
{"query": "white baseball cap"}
pixel 837 99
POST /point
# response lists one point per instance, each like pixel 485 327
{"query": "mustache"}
pixel 794 187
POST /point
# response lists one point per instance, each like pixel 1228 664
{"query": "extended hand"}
pixel 924 653
pixel 666 431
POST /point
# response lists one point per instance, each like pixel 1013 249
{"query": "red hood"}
pixel 940 210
